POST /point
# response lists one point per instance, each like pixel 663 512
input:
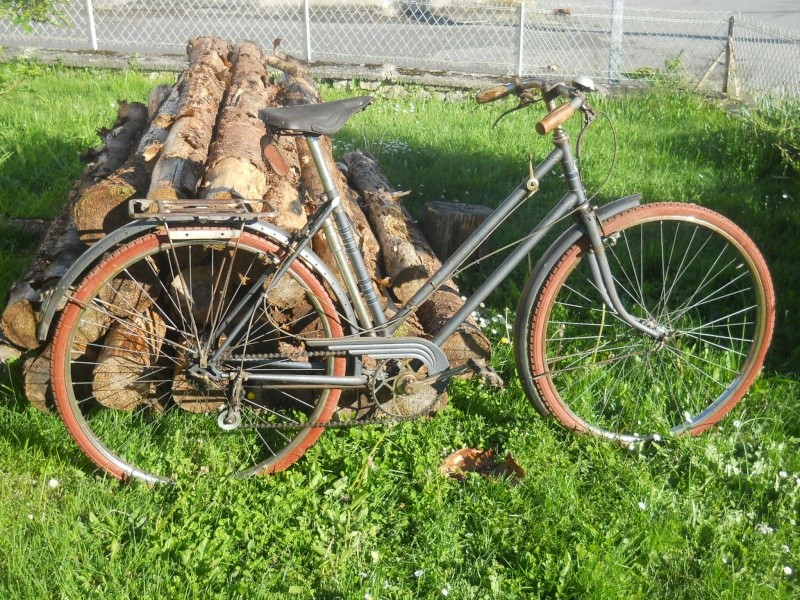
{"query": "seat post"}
pixel 344 230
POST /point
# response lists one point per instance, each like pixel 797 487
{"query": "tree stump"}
pixel 447 225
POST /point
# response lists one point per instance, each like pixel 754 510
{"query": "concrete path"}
pixel 783 13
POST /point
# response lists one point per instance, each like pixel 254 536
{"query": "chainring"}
pixel 396 390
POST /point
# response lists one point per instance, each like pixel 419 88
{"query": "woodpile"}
pixel 202 138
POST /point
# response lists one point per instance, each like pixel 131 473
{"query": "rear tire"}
pixel 676 265
pixel 134 328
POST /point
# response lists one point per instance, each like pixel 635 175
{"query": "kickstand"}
pixel 486 373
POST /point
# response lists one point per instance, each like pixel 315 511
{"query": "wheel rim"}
pixel 143 414
pixel 688 274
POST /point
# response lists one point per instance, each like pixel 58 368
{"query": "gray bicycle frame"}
pixel 367 304
pixel 574 201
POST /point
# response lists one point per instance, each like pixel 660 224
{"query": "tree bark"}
pixel 409 260
pixel 180 166
pixel 235 166
pixel 61 245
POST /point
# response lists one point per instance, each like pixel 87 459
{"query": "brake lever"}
pixel 525 100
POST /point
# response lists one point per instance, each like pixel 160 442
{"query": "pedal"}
pixel 486 373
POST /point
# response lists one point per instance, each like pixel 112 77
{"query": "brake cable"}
pixel 526 99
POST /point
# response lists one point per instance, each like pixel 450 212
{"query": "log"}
pixel 103 207
pixel 131 347
pixel 36 367
pixel 235 167
pixel 409 260
pixel 36 377
pixel 157 97
pixel 61 245
pixel 447 225
pixel 299 88
pixel 179 168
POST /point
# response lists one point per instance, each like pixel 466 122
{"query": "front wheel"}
pixel 677 266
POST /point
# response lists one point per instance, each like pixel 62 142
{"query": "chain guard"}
pixel 393 407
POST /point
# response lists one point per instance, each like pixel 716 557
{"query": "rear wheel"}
pixel 678 266
pixel 128 369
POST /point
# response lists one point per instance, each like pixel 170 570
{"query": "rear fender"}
pixel 56 299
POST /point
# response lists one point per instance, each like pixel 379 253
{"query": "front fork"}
pixel 597 259
pixel 604 279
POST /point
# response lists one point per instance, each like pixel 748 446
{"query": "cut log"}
pixel 180 166
pixel 61 245
pixel 36 367
pixel 36 377
pixel 157 97
pixel 235 167
pixel 8 351
pixel 103 206
pixel 447 225
pixel 409 260
pixel 130 348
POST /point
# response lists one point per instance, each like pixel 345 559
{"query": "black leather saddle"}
pixel 324 118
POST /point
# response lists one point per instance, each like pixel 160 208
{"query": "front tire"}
pixel 675 265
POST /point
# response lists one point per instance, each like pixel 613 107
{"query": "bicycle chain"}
pixel 390 420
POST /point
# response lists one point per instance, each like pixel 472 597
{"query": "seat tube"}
pixel 347 254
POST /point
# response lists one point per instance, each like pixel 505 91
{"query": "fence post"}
pixel 92 31
pixel 615 53
pixel 730 62
pixel 521 37
pixel 307 19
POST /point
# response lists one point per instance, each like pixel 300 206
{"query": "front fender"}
pixel 573 234
pixel 139 227
pixel 534 284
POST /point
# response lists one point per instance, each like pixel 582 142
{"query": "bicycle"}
pixel 198 334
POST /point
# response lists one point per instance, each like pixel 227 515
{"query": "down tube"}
pixel 481 234
pixel 563 208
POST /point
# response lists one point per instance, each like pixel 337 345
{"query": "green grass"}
pixel 365 513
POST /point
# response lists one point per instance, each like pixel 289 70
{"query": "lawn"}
pixel 365 514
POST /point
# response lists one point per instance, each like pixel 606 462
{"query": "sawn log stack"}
pixel 202 138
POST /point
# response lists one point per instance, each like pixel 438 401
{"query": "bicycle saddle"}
pixel 324 118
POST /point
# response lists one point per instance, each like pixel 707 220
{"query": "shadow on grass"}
pixel 36 177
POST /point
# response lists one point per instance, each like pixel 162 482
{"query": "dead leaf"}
pixel 460 462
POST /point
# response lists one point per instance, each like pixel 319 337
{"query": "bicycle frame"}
pixel 376 329
pixel 333 219
pixel 574 201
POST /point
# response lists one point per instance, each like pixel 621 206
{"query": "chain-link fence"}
pixel 511 37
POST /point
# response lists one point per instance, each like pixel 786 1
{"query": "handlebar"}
pixel 558 116
pixel 552 120
pixel 506 89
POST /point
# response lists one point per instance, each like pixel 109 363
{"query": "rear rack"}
pixel 180 210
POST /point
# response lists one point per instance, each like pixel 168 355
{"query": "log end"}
pixel 19 323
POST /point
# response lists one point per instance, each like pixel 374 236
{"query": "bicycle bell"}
pixel 583 83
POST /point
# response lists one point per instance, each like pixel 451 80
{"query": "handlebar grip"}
pixel 494 93
pixel 558 116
